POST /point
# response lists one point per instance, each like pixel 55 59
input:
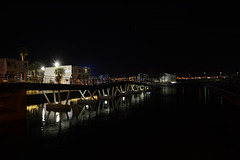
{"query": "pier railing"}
pixel 51 80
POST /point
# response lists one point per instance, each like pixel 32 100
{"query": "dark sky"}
pixel 125 37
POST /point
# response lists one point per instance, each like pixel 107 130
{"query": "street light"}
pixel 56 64
pixel 42 68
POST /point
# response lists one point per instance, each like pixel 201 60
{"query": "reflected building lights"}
pixel 57 116
pixel 105 102
pixel 43 115
pixel 142 96
pixel 81 114
pixel 205 94
pixel 32 107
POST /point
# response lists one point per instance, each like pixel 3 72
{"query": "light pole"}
pixel 42 74
pixel 56 64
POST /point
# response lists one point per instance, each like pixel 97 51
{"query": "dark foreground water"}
pixel 186 121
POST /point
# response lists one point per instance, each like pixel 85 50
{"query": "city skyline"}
pixel 125 37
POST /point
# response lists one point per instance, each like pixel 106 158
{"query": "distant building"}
pixel 104 78
pixel 13 70
pixel 142 77
pixel 162 78
pixel 168 78
pixel 81 75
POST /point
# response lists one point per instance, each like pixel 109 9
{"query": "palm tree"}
pixel 23 52
pixel 33 68
pixel 59 72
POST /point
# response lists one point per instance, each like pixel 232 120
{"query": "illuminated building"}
pixel 73 75
pixel 49 75
pixel 168 78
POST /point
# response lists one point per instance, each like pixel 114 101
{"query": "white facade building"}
pixel 162 78
pixel 49 76
pixel 168 78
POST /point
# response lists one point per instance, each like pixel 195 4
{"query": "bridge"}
pixel 13 98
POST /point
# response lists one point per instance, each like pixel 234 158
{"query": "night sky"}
pixel 124 38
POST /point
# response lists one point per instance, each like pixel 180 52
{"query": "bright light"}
pixel 56 64
pixel 42 68
pixel 87 106
pixel 43 115
pixel 57 116
pixel 106 102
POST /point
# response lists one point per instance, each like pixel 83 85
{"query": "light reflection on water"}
pixel 81 115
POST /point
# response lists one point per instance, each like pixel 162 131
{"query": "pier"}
pixel 16 94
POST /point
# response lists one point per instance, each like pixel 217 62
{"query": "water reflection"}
pixel 167 95
pixel 173 115
pixel 53 123
pixel 169 90
pixel 198 94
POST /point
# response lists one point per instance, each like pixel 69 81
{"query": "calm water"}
pixel 181 121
